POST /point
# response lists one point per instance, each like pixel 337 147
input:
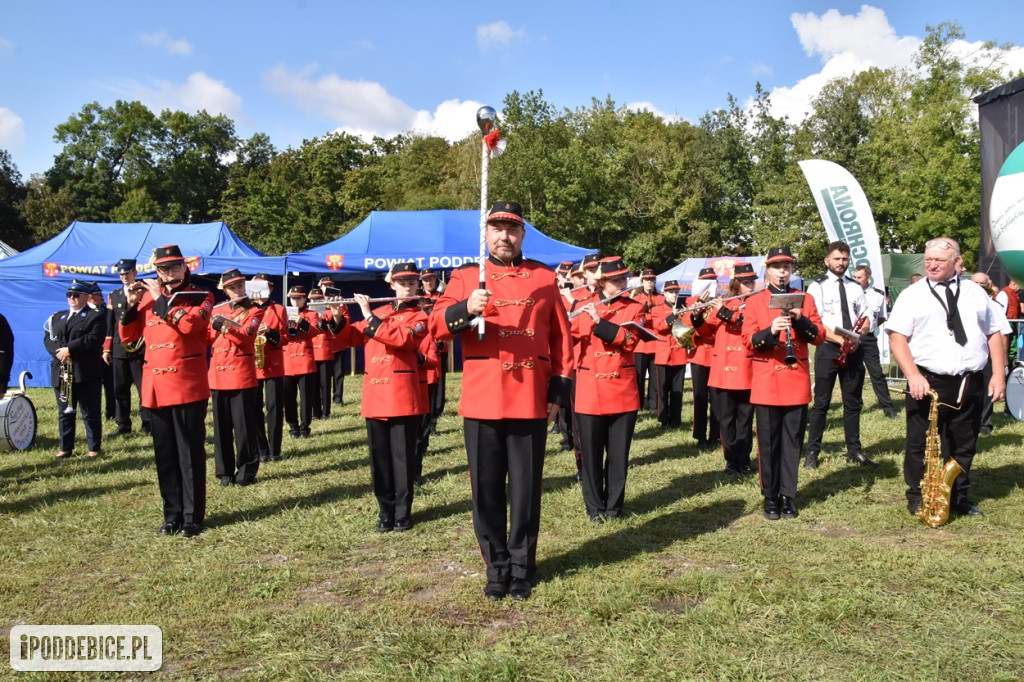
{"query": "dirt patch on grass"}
pixel 678 606
pixel 325 593
pixel 837 532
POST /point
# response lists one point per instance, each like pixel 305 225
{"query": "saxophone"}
pixel 260 350
pixel 937 484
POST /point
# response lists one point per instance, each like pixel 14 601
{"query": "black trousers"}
pixel 423 439
pixel 986 405
pixel 128 372
pixel 508 451
pixel 780 436
pixel 958 431
pixel 438 400
pixel 339 376
pixel 109 401
pixel 324 396
pixel 87 397
pixel 179 442
pixel 298 402
pixel 703 428
pixel 736 420
pixel 851 385
pixel 604 479
pixel 269 433
pixel 392 448
pixel 644 364
pixel 565 425
pixel 873 365
pixel 236 421
pixel 670 394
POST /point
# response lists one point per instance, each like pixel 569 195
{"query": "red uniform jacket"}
pixel 583 297
pixel 298 351
pixel 232 360
pixel 668 351
pixel 730 360
pixel 703 348
pixel 606 373
pixel 323 344
pixel 174 372
pixel 773 381
pixel 395 337
pixel 427 306
pixel 525 358
pixel 649 302
pixel 276 318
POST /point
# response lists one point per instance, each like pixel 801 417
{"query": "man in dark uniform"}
pixel 174 384
pixel 513 379
pixel 97 303
pixel 126 362
pixel 74 337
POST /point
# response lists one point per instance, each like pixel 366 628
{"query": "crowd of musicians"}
pixel 574 349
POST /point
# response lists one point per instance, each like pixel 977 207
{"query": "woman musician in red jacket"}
pixel 780 386
pixel 607 399
pixel 731 369
pixel 394 395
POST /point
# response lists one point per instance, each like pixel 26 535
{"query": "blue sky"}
pixel 297 69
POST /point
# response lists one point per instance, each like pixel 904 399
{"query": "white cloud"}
pixel 164 41
pixel 647 106
pixel 847 44
pixel 12 129
pixel 498 35
pixel 761 69
pixel 366 108
pixel 199 92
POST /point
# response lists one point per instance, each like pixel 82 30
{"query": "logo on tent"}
pixel 193 263
pixel 51 269
pixel 335 261
pixel 723 267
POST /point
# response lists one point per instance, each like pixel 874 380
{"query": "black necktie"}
pixel 847 322
pixel 953 321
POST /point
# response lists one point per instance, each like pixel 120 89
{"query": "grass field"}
pixel 289 581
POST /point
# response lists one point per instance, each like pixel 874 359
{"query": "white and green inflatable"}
pixel 1006 215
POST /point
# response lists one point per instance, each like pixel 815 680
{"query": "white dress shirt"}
pixel 920 317
pixel 826 297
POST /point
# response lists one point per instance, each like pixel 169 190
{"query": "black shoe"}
pixel 385 526
pixel 190 530
pixel 746 470
pixel 732 471
pixel 788 508
pixel 811 460
pixel 120 431
pixel 495 591
pixel 966 508
pixel 703 444
pixel 520 589
pixel 417 480
pixel 890 414
pixel 913 506
pixel 225 481
pixel 859 458
pixel 170 528
pixel 293 434
pixel 339 401
pixel 986 430
pixel 771 509
pixel 245 481
pixel 275 458
pixel 304 434
pixel 566 447
pixel 596 519
pixel 264 458
pixel 147 430
pixel 403 525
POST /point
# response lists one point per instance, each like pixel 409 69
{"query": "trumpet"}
pixel 330 302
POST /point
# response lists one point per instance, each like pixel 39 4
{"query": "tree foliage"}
pixel 625 182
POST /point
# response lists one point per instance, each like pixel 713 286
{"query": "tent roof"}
pixel 439 239
pixel 90 251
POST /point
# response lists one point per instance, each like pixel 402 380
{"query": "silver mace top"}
pixel 486 119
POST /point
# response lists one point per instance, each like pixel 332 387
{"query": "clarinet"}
pixel 790 358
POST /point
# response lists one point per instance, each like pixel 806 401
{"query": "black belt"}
pixel 931 375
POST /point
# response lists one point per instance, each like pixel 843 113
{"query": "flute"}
pixel 329 302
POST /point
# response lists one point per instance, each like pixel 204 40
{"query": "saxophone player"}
pixel 942 331
pixel 74 338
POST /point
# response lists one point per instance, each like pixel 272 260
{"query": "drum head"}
pixel 18 417
pixel 1015 393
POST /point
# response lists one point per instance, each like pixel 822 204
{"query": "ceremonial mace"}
pixel 487 121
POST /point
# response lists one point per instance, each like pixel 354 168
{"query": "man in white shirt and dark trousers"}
pixel 875 300
pixel 942 331
pixel 840 302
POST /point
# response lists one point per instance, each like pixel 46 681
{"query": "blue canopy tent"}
pixel 34 281
pixel 688 270
pixel 433 239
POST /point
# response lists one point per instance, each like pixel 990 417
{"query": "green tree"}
pixel 13 228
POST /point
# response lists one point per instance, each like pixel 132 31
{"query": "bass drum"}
pixel 17 423
pixel 1015 393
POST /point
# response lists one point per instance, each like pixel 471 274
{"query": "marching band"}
pixel 575 344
